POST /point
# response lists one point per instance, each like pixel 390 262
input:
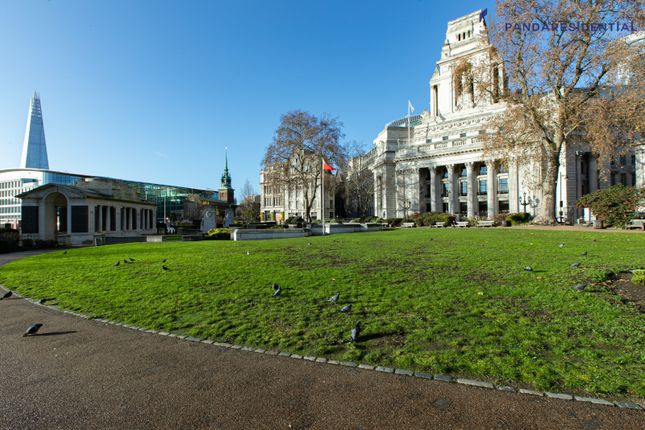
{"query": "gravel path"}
pixel 83 374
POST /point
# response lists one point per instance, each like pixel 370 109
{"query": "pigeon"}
pixel 562 245
pixel 334 298
pixel 356 331
pixel 346 308
pixel 132 259
pixel 41 301
pixel 7 295
pixel 64 253
pixel 528 269
pixel 164 267
pixel 275 287
pixel 277 291
pixel 583 254
pixel 579 287
pixel 125 261
pixel 117 263
pixel 32 329
pixel 575 265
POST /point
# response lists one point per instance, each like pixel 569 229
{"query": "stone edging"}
pixel 404 372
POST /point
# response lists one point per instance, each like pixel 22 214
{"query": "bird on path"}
pixel 165 268
pixel 117 263
pixel 41 301
pixel 575 265
pixel 334 298
pixel 32 329
pixel 579 287
pixel 528 269
pixel 276 291
pixel 7 295
pixel 346 308
pixel 583 254
pixel 356 331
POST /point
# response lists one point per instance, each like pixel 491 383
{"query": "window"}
pixel 444 190
pixel 463 172
pixel 463 188
pixel 483 170
pixel 503 186
pixel 483 186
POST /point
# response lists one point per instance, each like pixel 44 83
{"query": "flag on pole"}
pixel 327 167
pixel 482 14
pixel 410 107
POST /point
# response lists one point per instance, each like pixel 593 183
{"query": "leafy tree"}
pixel 294 159
pixel 567 86
pixel 614 205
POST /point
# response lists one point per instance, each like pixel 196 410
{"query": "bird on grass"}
pixel 132 259
pixel 7 295
pixel 356 331
pixel 276 290
pixel 575 265
pixel 562 245
pixel 64 253
pixel 583 254
pixel 528 269
pixel 32 329
pixel 117 263
pixel 125 261
pixel 165 268
pixel 346 308
pixel 579 287
pixel 334 298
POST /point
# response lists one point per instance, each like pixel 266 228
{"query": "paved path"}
pixel 82 374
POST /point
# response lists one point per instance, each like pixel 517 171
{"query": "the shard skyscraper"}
pixel 34 148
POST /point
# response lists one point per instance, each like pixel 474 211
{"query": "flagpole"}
pixel 322 194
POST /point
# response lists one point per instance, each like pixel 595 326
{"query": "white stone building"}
pixel 441 167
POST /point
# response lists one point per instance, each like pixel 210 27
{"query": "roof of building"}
pixel 403 122
pixel 104 193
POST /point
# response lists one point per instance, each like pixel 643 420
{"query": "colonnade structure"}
pixel 89 212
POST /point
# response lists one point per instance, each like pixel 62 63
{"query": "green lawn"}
pixel 443 301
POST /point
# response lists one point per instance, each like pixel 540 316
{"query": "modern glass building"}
pixel 169 199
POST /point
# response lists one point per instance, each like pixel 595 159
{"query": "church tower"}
pixel 226 193
pixel 34 148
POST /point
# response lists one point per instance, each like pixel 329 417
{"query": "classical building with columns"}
pixel 435 161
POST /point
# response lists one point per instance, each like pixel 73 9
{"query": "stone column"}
pixel 593 173
pixel 69 217
pixel 452 189
pixel 471 199
pixel 108 218
pixel 491 189
pixel 117 221
pixel 99 227
pixel 513 187
pixel 435 194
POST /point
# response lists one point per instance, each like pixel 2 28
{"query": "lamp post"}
pixel 523 201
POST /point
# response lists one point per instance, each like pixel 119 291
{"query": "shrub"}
pixel 518 218
pixel 428 218
pixel 638 277
pixel 297 220
pixel 501 219
pixel 219 234
pixel 614 205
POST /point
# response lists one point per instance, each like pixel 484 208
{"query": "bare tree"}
pixel 249 209
pixel 294 159
pixel 358 180
pixel 566 82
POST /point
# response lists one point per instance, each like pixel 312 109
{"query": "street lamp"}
pixel 533 202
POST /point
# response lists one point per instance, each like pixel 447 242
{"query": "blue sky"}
pixel 155 90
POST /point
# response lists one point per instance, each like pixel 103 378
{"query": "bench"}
pixel 485 223
pixel 636 223
pixel 408 225
pixel 436 224
pixel 462 224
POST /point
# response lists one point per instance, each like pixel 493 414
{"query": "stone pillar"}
pixel 593 173
pixel 108 218
pixel 452 189
pixel 99 227
pixel 117 221
pixel 471 199
pixel 435 194
pixel 69 217
pixel 513 187
pixel 491 189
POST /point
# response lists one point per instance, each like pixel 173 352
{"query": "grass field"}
pixel 442 301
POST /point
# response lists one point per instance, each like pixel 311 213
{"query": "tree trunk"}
pixel 546 213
